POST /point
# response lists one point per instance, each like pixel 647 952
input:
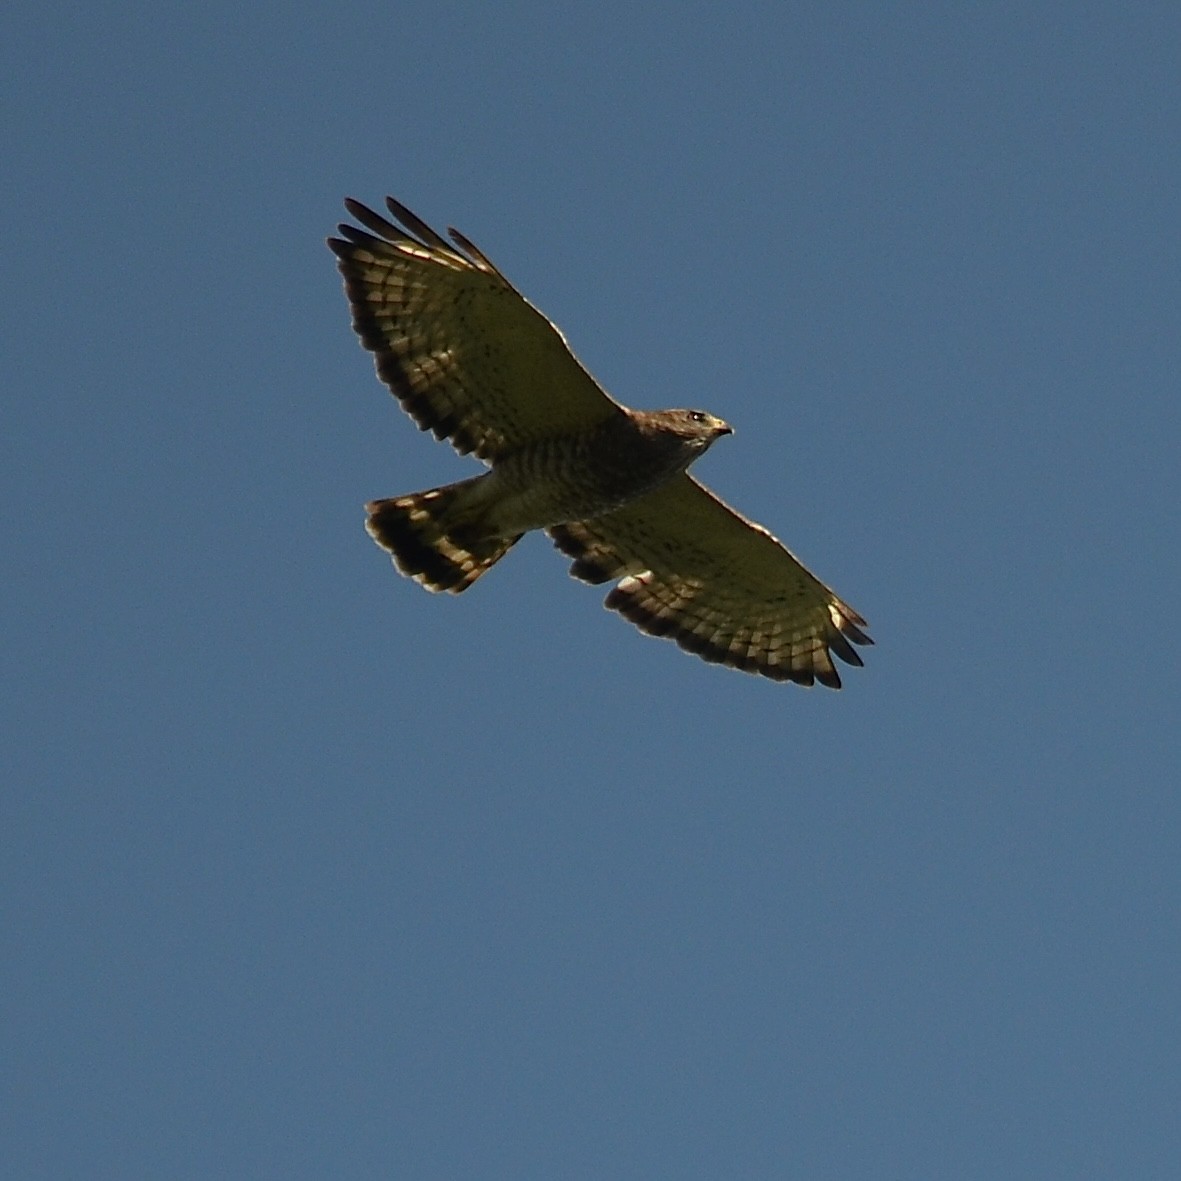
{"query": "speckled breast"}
pixel 580 476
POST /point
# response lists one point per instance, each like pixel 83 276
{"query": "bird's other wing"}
pixel 696 571
pixel 466 354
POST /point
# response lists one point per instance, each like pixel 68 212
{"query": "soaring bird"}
pixel 470 359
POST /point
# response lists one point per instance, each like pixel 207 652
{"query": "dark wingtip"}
pixel 417 226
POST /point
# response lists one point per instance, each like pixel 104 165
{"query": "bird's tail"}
pixel 431 539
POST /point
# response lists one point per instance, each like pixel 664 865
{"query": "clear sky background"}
pixel 309 874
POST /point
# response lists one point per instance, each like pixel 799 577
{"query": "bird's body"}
pixel 588 473
pixel 471 360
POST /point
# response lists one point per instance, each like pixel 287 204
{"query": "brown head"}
pixel 690 431
pixel 640 449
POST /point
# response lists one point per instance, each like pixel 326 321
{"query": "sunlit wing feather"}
pixel 468 357
pixel 696 571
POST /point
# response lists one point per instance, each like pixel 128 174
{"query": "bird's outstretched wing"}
pixel 694 570
pixel 465 353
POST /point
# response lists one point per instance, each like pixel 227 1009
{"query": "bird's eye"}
pixel 696 416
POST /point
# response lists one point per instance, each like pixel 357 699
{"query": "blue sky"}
pixel 308 873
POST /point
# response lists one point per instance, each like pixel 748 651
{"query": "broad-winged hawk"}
pixel 473 361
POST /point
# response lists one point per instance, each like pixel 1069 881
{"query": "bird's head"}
pixel 696 427
pixel 676 438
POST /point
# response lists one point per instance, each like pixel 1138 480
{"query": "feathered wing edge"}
pixel 421 237
pixel 444 384
pixel 682 607
pixel 419 386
